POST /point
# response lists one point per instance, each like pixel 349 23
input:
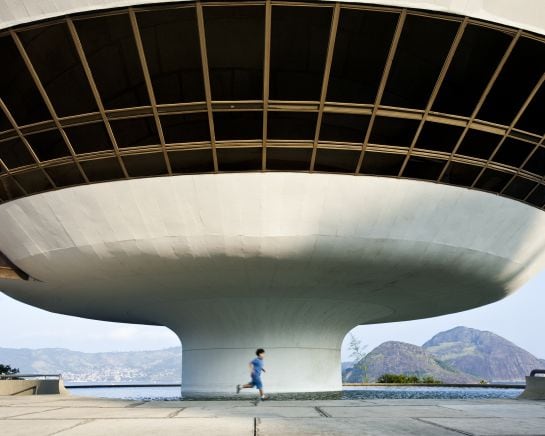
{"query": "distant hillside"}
pixel 403 358
pixel 158 366
pixel 482 354
pixel 460 355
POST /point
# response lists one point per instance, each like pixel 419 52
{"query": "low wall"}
pixel 32 387
pixel 535 389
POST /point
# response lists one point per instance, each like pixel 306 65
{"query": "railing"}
pixel 136 385
pixel 537 371
pixel 19 376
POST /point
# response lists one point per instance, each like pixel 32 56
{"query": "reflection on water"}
pixel 352 393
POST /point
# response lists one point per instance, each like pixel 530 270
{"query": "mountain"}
pixel 460 355
pixel 157 366
pixel 402 358
pixel 483 354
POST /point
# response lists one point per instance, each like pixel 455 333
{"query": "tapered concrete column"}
pixel 288 369
pixel 302 339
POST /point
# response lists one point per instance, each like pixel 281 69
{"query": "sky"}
pixel 519 318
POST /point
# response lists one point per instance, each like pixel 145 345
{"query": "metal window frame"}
pixel 382 85
pixel 210 106
pixel 47 101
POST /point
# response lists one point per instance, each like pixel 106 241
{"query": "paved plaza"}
pixel 74 415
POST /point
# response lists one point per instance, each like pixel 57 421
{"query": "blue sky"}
pixel 519 318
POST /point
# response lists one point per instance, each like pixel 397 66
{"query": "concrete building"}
pixel 270 173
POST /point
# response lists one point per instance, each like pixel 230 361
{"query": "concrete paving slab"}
pixel 159 404
pixel 492 426
pixel 96 403
pixel 10 400
pixel 272 403
pixel 353 426
pixel 379 411
pixel 462 402
pixel 239 426
pixel 91 416
pixel 207 404
pixel 319 403
pixel 13 411
pixel 68 401
pixel 35 427
pixel 101 412
pixel 501 410
pixel 253 411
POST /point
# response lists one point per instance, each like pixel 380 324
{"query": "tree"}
pixel 6 369
pixel 358 355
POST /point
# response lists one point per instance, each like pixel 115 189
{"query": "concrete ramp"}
pixel 535 386
pixel 32 387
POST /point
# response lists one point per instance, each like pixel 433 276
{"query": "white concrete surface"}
pixel 32 387
pixel 535 388
pixel 525 14
pixel 86 416
pixel 285 261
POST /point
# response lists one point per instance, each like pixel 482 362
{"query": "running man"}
pixel 256 366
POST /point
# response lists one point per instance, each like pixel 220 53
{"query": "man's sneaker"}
pixel 238 389
pixel 263 398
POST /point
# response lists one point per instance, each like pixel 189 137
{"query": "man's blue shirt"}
pixel 257 363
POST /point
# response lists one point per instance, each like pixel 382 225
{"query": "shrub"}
pixel 403 378
pixel 431 381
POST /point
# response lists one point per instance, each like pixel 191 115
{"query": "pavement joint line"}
pixel 257 421
pixel 423 420
pixel 322 412
pixel 85 421
pixel 136 404
pixel 30 413
pixel 176 412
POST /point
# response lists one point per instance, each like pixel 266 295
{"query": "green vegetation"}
pixel 407 379
pixel 6 370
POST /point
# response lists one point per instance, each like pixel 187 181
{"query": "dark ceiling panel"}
pixel 171 45
pixel 361 48
pixel 110 49
pixel 298 52
pixel 235 39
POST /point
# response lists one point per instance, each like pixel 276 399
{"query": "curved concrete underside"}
pixel 285 261
pixel 524 14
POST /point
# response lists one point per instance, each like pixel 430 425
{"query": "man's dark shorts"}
pixel 256 382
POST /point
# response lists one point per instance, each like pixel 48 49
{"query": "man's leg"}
pixel 259 386
pixel 245 386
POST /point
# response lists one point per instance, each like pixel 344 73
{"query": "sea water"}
pixel 157 393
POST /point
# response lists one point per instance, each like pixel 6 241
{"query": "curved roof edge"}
pixel 525 14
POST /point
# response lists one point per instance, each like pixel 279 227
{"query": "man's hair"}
pixel 259 351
